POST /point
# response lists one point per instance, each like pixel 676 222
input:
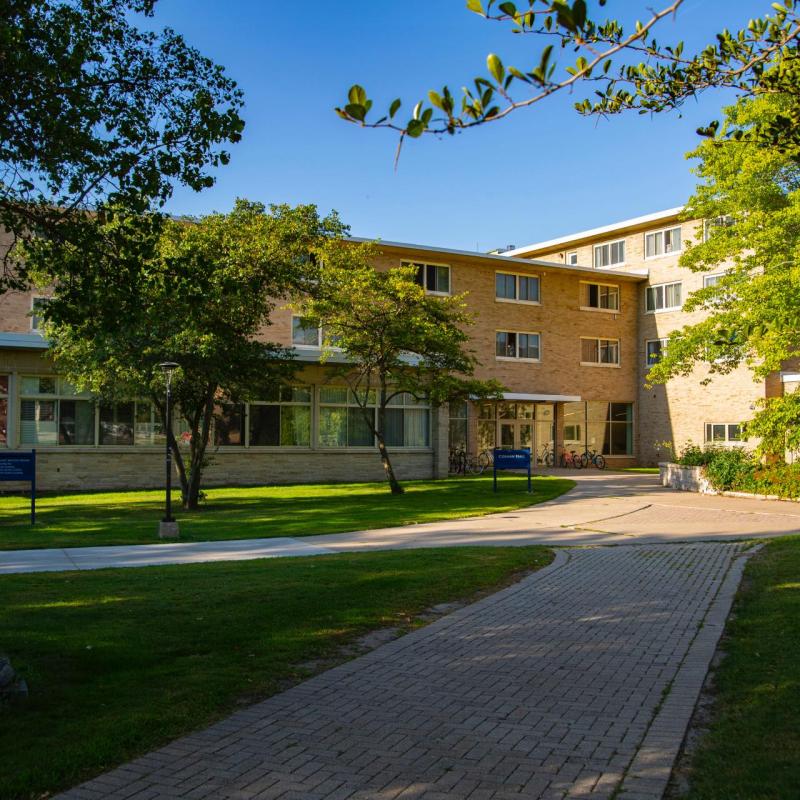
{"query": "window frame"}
pixel 716 275
pixel 616 286
pixel 663 232
pixel 727 441
pixel 32 314
pixel 517 275
pixel 437 265
pixel 662 286
pixel 516 358
pixel 609 245
pixel 280 403
pixel 663 346
pixel 568 258
pixel 613 364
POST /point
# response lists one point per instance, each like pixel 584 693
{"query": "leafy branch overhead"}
pixel 623 66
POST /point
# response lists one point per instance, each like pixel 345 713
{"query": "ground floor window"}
pixel 342 422
pixel 282 421
pixel 3 410
pixel 723 432
pixel 458 425
pixel 597 425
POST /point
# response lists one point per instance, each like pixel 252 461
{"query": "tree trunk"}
pixel 201 431
pixel 394 484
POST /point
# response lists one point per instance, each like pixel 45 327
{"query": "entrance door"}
pixel 515 434
pixel 508 435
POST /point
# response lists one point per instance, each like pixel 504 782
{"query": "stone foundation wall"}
pixel 686 479
pixel 92 469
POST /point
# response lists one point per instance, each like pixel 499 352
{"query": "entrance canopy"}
pixel 522 397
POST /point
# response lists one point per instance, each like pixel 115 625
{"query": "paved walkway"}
pixel 604 508
pixel 575 682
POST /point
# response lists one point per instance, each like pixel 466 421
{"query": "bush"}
pixel 730 467
pixel 780 479
pixel 693 455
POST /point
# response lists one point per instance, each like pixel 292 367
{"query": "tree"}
pixel 750 197
pixel 198 292
pixel 96 111
pixel 620 61
pixel 396 339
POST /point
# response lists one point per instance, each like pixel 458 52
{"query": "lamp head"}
pixel 168 367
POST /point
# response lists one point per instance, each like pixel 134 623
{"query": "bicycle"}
pixel 570 460
pixel 547 456
pixel 593 457
pixel 458 462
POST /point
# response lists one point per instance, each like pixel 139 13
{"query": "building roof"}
pixel 23 341
pixel 498 260
pixel 634 222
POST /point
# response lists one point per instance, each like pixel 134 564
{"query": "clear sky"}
pixel 541 173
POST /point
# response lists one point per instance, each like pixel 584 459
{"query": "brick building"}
pixel 567 325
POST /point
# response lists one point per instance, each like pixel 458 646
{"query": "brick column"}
pixel 558 432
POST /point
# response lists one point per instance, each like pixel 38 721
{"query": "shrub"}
pixel 729 467
pixel 692 455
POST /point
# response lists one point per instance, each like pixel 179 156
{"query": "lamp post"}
pixel 168 527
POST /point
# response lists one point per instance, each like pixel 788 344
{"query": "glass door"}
pixel 507 435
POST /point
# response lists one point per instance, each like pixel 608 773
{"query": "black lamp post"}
pixel 168 527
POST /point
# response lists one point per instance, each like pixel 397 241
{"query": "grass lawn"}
pixel 121 661
pixel 753 749
pixel 76 520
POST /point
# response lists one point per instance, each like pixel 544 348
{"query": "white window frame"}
pixel 34 298
pixel 515 299
pixel 425 265
pixel 727 441
pixel 279 402
pixel 722 221
pixel 716 275
pixel 648 342
pixel 662 286
pixel 616 286
pixel 663 232
pixel 615 365
pixel 517 357
pixel 571 258
pixel 610 263
pixel 316 346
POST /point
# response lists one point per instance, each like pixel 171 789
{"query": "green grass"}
pixel 752 751
pixel 76 520
pixel 121 661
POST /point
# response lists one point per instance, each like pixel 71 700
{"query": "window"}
pixel 229 425
pixel 518 288
pixel 601 296
pixel 663 297
pixel 523 346
pixel 52 412
pixel 458 424
pixel 710 225
pixel 607 255
pixel 3 410
pixel 283 420
pixel 654 349
pixel 723 433
pixel 661 243
pixel 618 438
pixel 572 258
pixel 304 334
pixel 712 280
pixel 37 305
pixel 599 351
pixel 434 278
pixel 342 422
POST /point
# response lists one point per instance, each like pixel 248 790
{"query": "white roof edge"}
pixel 626 223
pixel 790 377
pixel 551 398
pixel 501 258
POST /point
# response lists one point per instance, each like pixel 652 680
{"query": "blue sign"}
pixel 20 466
pixel 512 459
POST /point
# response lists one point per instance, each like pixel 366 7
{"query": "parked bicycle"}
pixel 593 457
pixel 547 456
pixel 571 459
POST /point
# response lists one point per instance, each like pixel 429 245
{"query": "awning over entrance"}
pixel 523 397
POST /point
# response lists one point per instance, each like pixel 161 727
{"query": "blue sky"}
pixel 541 173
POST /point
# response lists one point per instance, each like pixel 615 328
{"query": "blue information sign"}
pixel 512 459
pixel 20 466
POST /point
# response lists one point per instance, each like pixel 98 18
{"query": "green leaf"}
pixel 396 103
pixel 415 128
pixel 436 99
pixel 509 9
pixel 356 111
pixel 357 95
pixel 495 66
pixel 476 7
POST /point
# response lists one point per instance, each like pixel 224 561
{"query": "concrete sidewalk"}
pixel 577 682
pixel 603 509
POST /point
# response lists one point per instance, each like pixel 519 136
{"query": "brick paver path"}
pixel 577 681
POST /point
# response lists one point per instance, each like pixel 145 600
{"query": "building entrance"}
pixel 517 426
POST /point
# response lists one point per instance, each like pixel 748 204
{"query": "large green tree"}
pixel 613 64
pixel 198 292
pixel 750 198
pixel 395 339
pixel 96 109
